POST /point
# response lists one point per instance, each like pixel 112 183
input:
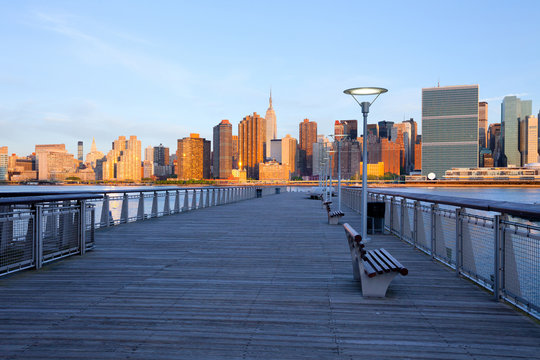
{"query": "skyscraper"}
pixel 193 157
pixel 161 155
pixel 252 144
pixel 54 162
pixel 235 153
pixel 149 153
pixel 512 111
pixel 80 151
pixel 385 129
pixel 308 136
pixel 528 142
pixel 123 160
pixel 482 124
pixel 223 150
pixel 4 163
pixel 449 128
pixel 93 156
pixel 288 153
pixel 271 126
pixel 412 145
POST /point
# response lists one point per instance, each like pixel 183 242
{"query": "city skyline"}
pixel 76 71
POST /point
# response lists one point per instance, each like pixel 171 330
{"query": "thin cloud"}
pixel 165 72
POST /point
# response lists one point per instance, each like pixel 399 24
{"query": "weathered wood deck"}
pixel 265 279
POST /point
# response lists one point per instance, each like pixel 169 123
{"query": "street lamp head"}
pixel 365 91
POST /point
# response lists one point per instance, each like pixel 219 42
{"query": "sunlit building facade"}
pixel 252 144
pixel 449 128
pixel 193 158
pixel 222 160
pixel 308 136
pixel 123 161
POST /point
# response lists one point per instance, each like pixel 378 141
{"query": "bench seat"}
pixel 333 216
pixel 375 269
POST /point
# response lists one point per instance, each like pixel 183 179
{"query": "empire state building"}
pixel 271 129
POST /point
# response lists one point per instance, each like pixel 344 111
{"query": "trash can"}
pixel 375 217
pixel 278 190
pixel 258 193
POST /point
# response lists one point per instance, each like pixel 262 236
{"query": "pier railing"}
pixel 495 244
pixel 37 228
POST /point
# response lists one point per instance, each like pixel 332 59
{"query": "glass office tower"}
pixel 512 111
pixel 449 128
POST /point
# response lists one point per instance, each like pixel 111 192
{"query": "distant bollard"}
pixel 258 193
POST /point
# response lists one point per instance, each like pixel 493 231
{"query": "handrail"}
pixel 528 211
pixel 16 200
pixel 121 191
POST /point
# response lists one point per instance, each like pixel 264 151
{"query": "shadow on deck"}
pixel 264 278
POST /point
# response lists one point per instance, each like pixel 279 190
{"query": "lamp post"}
pixel 339 166
pixel 361 91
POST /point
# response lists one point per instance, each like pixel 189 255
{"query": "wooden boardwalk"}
pixel 259 279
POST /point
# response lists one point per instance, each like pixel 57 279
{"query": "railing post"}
pixel 213 197
pixel 222 202
pixel 140 208
pixel 154 212
pixel 392 199
pixel 498 268
pixel 415 223
pixel 166 205
pixel 201 199
pixel 186 201
pixel 82 227
pixel 402 205
pixel 124 211
pixel 228 195
pixel 194 200
pixel 105 220
pixel 459 241
pixel 177 202
pixel 434 208
pixel 38 231
pixel 207 203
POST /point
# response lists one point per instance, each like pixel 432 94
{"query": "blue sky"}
pixel 73 70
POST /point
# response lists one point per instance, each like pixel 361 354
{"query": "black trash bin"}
pixel 278 190
pixel 258 193
pixel 375 217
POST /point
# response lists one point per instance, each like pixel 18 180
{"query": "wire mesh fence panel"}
pixel 477 249
pixel 90 227
pixel 521 265
pixel 16 239
pixel 60 232
pixel 387 207
pixel 396 217
pixel 408 222
pixel 423 235
pixel 115 209
pixel 445 236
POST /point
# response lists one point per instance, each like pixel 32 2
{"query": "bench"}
pixel 333 216
pixel 375 269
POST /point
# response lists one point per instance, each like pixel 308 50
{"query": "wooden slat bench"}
pixel 333 216
pixel 375 269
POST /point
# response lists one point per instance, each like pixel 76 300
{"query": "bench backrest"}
pixel 354 239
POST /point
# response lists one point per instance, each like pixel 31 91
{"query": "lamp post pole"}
pixel 361 91
pixel 339 173
pixel 365 111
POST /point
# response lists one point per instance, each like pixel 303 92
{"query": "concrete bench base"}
pixel 333 220
pixel 375 286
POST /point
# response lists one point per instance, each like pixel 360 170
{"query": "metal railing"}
pixel 495 249
pixel 39 228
